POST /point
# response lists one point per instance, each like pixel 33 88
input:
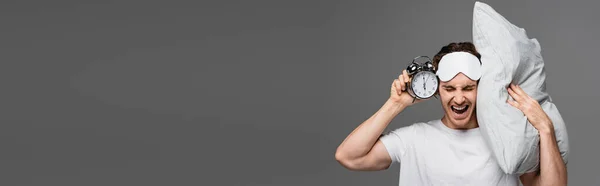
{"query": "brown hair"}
pixel 455 47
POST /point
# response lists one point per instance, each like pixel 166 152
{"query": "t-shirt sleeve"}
pixel 399 141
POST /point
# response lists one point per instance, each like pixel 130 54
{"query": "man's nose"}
pixel 459 99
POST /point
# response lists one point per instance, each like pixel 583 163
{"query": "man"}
pixel 450 150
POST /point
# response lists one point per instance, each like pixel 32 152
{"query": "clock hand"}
pixel 424 83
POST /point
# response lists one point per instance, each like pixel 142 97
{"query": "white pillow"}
pixel 508 55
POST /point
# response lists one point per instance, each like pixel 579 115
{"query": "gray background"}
pixel 261 92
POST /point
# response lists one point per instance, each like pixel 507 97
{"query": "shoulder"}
pixel 424 126
pixel 414 128
pixel 431 124
pixel 404 139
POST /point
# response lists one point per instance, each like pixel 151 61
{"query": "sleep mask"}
pixel 456 62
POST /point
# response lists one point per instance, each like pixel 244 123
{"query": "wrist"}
pixel 547 129
pixel 547 135
pixel 395 104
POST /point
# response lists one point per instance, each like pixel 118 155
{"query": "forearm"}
pixel 553 170
pixel 361 140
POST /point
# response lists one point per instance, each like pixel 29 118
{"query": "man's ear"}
pixel 437 92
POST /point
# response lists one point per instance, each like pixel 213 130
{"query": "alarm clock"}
pixel 424 81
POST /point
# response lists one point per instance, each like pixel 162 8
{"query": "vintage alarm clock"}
pixel 424 82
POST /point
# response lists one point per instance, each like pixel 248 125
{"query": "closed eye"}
pixel 469 88
pixel 466 88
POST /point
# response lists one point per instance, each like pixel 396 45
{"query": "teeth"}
pixel 459 108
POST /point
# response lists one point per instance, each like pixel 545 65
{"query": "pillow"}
pixel 509 56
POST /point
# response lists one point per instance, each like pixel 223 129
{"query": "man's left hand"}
pixel 531 108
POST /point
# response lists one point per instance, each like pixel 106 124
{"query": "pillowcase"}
pixel 509 56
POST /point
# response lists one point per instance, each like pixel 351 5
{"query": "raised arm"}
pixel 553 170
pixel 362 149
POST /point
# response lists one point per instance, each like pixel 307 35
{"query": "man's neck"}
pixel 471 124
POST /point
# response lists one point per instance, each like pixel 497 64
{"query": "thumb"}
pixel 420 100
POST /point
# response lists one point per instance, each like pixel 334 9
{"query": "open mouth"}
pixel 459 110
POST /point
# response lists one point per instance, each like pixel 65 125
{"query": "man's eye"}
pixel 469 88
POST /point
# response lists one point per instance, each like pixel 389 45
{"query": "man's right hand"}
pixel 398 92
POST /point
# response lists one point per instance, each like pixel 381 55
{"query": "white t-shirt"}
pixel 433 154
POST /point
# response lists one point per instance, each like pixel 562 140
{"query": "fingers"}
pixel 517 98
pixel 518 89
pixel 401 83
pixel 513 103
pixel 398 83
pixel 522 101
pixel 397 87
pixel 513 94
pixel 405 75
pixel 403 80
pixel 520 95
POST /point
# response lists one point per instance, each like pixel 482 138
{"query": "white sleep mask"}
pixel 456 62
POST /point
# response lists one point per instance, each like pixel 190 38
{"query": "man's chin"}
pixel 459 122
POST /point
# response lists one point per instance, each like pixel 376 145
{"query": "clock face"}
pixel 424 84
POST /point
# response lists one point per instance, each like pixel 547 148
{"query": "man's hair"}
pixel 455 47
